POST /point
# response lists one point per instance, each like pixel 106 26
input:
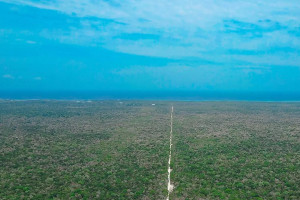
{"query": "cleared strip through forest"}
pixel 170 186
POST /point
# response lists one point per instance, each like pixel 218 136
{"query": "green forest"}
pixel 120 150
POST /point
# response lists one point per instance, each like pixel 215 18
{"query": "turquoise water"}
pixel 157 95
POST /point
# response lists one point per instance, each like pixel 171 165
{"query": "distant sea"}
pixel 152 95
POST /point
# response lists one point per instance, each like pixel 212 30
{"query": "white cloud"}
pixel 37 78
pixel 176 13
pixel 30 42
pixel 186 27
pixel 8 76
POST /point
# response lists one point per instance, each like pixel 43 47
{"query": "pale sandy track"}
pixel 170 186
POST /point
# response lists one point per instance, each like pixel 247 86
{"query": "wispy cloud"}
pixel 161 12
pixel 190 28
pixel 8 76
pixel 38 78
pixel 30 42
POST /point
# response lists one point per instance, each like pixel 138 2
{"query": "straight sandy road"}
pixel 170 186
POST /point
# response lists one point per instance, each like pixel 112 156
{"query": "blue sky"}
pixel 209 45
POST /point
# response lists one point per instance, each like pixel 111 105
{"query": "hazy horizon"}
pixel 151 95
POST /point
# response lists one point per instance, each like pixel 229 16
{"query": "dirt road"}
pixel 170 186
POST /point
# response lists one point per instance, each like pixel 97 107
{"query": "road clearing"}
pixel 170 186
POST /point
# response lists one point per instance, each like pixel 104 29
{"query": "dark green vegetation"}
pixel 69 150
pixel 109 150
pixel 236 151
